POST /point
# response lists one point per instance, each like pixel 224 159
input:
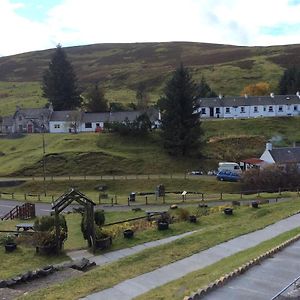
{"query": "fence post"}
pixel 116 200
pixel 112 201
pixel 241 197
pixel 182 198
pixel 221 196
pixel 146 198
pixel 52 196
pixel 25 197
pixel 202 197
pixel 39 197
pixel 99 198
pixel 128 201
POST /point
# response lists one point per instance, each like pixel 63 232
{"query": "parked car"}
pixel 196 173
pixel 227 175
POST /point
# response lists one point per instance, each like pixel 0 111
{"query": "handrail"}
pixel 285 288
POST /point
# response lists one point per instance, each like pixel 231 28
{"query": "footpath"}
pixel 134 287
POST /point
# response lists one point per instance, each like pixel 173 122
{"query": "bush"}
pixel 47 223
pixel 99 217
pixel 183 214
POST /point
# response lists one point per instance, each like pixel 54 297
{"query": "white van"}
pixel 231 166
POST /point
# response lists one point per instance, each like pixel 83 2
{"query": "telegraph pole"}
pixel 44 162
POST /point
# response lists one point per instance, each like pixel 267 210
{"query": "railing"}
pixel 286 288
pixel 25 211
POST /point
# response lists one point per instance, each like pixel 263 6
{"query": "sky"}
pixel 30 25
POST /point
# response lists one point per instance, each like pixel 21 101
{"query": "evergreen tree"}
pixel 142 97
pixel 96 101
pixel 204 90
pixel 180 126
pixel 290 81
pixel 60 83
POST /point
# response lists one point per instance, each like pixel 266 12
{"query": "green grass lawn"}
pixel 215 228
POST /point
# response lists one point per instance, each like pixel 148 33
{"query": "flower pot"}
pixel 10 247
pixel 193 219
pixel 228 211
pixel 128 233
pixel 103 243
pixel 162 225
pixel 254 204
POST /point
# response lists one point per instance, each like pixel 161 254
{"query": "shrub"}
pixel 47 223
pixel 99 217
pixel 183 214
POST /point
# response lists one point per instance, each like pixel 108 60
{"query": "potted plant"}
pixel 193 219
pixel 103 239
pixel 163 221
pixel 254 204
pixel 10 243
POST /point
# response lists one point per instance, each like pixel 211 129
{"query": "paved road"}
pixel 45 208
pixel 134 287
pixel 265 280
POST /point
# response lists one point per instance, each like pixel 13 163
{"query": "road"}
pixel 43 209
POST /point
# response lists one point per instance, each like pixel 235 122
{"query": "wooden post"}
pixel 39 197
pixel 146 199
pixel 99 198
pixel 116 199
pixel 57 230
pixel 52 196
pixel 202 198
pixel 25 197
pixel 221 196
pixel 128 201
pixel 112 201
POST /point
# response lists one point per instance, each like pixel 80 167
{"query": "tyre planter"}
pixel 10 247
pixel 254 204
pixel 193 219
pixel 47 250
pixel 103 243
pixel 228 211
pixel 128 233
pixel 162 225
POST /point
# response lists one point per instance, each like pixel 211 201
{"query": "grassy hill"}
pixel 94 154
pixel 121 67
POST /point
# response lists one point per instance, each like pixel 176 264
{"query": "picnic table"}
pixel 25 226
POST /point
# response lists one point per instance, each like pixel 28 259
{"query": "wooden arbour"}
pixel 64 201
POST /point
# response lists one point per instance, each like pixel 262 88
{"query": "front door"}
pixel 211 111
pixel 29 128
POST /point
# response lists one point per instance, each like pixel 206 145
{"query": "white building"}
pixel 250 106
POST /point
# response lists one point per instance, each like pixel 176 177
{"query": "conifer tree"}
pixel 290 81
pixel 96 101
pixel 180 126
pixel 204 90
pixel 60 83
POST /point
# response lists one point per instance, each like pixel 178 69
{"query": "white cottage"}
pixel 250 106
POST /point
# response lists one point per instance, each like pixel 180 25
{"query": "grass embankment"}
pixel 110 154
pixel 216 228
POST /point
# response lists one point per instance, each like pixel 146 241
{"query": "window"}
pixel 217 110
pixel 295 107
pixel 203 111
pixel 270 108
pixel 88 125
pixel 280 108
pixel 56 126
pixel 255 109
pixel 265 108
pixel 227 110
pixel 97 124
pixel 242 109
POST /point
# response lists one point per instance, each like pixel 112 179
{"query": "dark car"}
pixel 227 175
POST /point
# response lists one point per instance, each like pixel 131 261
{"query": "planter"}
pixel 10 247
pixel 193 219
pixel 103 243
pixel 254 204
pixel 162 225
pixel 228 211
pixel 128 233
pixel 46 250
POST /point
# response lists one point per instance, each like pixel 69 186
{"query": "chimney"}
pixel 269 146
pixel 220 96
pixel 272 95
pixel 246 96
pixel 298 94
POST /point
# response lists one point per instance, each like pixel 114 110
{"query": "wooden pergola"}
pixel 64 201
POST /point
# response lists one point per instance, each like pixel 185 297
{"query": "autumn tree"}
pixel 180 124
pixel 289 83
pixel 59 84
pixel 95 98
pixel 256 89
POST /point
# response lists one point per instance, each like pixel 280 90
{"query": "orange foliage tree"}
pixel 256 89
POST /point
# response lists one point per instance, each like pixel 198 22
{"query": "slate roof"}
pixel 95 117
pixel 34 113
pixel 286 154
pixel 249 101
pixel 65 115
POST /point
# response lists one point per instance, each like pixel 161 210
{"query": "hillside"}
pixel 104 154
pixel 121 67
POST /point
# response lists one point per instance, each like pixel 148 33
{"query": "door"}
pixel 29 128
pixel 211 111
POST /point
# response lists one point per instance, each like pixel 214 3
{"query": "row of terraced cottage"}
pixel 45 119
